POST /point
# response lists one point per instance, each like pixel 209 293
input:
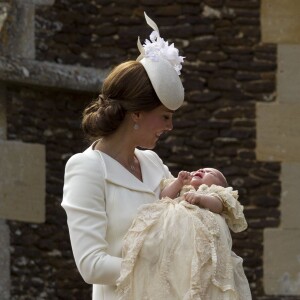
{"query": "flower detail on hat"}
pixel 157 47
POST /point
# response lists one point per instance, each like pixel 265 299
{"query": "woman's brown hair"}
pixel 126 89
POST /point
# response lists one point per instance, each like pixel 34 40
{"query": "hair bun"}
pixel 103 101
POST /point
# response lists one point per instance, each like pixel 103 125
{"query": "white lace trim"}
pixel 233 210
pixel 210 264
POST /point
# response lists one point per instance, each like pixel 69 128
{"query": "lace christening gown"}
pixel 178 251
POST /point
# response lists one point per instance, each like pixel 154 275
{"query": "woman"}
pixel 105 185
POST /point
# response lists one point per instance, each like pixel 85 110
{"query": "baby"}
pixel 179 247
pixel 208 176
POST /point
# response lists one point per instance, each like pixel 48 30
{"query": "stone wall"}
pixel 227 71
pixel 280 25
pixel 42 265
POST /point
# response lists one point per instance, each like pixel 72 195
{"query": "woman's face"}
pixel 206 176
pixel 152 124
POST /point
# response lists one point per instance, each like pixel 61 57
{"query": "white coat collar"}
pixel 114 172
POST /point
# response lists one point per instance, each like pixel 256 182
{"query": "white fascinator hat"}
pixel 162 64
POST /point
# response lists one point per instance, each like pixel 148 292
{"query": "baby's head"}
pixel 208 176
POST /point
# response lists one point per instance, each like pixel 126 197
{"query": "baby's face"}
pixel 206 176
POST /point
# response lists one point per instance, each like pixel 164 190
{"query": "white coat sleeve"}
pixel 84 203
pixel 157 159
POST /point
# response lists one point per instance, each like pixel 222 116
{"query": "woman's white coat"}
pixel 101 199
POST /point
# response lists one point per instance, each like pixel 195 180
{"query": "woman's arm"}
pixel 84 203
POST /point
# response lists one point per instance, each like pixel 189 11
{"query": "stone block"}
pixel 281 261
pixel 288 73
pixel 4 261
pixel 18 33
pixel 4 7
pixel 277 132
pixel 51 75
pixel 41 2
pixel 2 112
pixel 22 184
pixel 290 197
pixel 280 21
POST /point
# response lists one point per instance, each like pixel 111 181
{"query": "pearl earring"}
pixel 136 126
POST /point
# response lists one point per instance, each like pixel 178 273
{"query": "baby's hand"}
pixel 184 177
pixel 192 198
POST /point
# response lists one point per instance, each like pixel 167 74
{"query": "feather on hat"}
pixel 162 64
